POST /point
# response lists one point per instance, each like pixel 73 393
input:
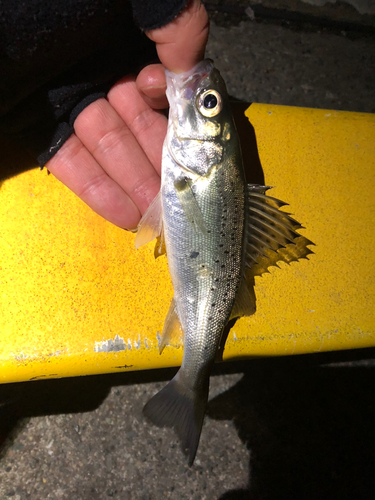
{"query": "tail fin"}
pixel 180 407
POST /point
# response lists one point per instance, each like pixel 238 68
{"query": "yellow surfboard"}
pixel 76 298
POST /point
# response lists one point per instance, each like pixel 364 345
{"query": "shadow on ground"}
pixel 20 401
pixel 308 421
pixel 309 426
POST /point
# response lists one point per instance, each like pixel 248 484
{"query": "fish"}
pixel 218 232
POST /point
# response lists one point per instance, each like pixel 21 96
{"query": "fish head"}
pixel 200 121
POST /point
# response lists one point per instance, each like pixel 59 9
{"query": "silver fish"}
pixel 218 232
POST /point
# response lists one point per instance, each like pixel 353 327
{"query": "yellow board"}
pixel 72 287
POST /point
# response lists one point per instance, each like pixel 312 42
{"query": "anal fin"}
pixel 172 333
pixel 244 304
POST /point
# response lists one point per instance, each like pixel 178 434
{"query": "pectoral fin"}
pixel 172 333
pixel 189 205
pixel 270 234
pixel 151 224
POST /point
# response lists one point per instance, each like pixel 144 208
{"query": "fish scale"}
pixel 204 286
pixel 218 232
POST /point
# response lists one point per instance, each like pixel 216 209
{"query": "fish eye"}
pixel 210 103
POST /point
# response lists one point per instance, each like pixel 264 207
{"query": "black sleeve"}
pixel 58 56
pixel 151 14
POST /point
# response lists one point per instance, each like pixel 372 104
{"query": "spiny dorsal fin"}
pixel 150 226
pixel 172 333
pixel 190 205
pixel 292 252
pixel 271 235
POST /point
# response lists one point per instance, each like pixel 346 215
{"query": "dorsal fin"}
pixel 150 226
pixel 172 333
pixel 270 234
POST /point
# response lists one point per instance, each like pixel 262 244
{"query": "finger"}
pixel 181 43
pixel 115 148
pixel 147 125
pixel 151 85
pixel 74 166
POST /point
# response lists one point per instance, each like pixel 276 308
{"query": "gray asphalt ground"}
pixel 290 428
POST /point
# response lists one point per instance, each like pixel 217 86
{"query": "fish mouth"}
pixel 191 79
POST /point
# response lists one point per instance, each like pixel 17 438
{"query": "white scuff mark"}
pixel 321 340
pixel 294 343
pixel 234 336
pixel 129 345
pixel 115 345
pixel 327 115
pixel 146 344
pixel 137 344
pixel 159 338
pixel 311 310
pixel 49 444
pixel 21 356
pixel 54 354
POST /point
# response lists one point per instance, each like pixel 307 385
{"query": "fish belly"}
pixel 205 267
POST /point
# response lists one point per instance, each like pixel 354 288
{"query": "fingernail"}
pixel 154 91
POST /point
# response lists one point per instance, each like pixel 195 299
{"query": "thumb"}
pixel 182 42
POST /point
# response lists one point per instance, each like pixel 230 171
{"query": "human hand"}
pixel 113 160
